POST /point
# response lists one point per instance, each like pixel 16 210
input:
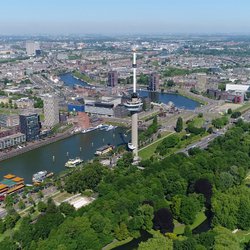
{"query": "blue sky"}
pixel 124 16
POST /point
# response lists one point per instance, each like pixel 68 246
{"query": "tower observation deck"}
pixel 134 106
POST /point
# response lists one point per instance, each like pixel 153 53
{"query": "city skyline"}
pixel 125 17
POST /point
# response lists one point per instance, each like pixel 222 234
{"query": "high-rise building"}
pixel 154 82
pixel 51 110
pixel 30 126
pixel 112 78
pixel 32 47
pixel 201 82
pixel 134 106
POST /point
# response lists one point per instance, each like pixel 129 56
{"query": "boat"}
pixel 71 163
pixel 131 146
pixel 110 127
pixel 39 176
pixel 103 127
pixel 89 129
pixel 104 150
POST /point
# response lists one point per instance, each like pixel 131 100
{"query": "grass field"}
pixel 243 108
pixel 117 243
pixel 200 217
pixel 146 152
pixel 243 236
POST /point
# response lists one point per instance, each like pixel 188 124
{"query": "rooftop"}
pixel 2 186
pixel 17 179
pixel 9 183
pixel 9 176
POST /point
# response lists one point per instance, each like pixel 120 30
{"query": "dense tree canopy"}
pixel 130 200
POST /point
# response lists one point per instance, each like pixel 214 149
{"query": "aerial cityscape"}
pixel 125 125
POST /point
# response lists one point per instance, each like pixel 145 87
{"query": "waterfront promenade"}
pixel 34 144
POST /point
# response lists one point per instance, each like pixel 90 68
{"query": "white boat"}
pixel 131 146
pixel 71 163
pixel 110 127
pixel 39 176
pixel 89 129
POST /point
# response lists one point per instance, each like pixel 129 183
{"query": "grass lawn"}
pixel 146 152
pixel 61 197
pixel 243 236
pixel 243 108
pixel 179 228
pixel 117 243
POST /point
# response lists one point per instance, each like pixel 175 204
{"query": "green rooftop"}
pixel 9 183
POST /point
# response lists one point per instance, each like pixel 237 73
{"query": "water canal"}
pixel 80 145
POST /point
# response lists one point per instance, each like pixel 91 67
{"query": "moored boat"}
pixel 71 163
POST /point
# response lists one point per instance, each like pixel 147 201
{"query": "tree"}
pixel 210 130
pixel 121 231
pixel 21 205
pixel 236 114
pixel 190 206
pixel 188 231
pixel 225 240
pixel 41 206
pixel 158 242
pixel 66 208
pixel 40 194
pixel 2 226
pixel 179 125
pixel 243 214
pixel 31 201
pixel 146 212
pixel 229 111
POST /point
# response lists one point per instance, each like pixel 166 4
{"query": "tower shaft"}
pixel 135 133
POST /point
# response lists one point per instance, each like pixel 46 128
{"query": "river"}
pixel 178 100
pixel 70 80
pixel 82 145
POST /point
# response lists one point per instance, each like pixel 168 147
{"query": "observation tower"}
pixel 134 106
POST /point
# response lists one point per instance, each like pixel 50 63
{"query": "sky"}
pixel 23 17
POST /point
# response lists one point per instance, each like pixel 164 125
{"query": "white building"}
pixel 31 47
pixel 51 110
pixel 12 140
pixel 238 87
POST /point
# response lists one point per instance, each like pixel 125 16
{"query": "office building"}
pixel 154 82
pixel 112 78
pixel 51 111
pixel 30 126
pixel 32 47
